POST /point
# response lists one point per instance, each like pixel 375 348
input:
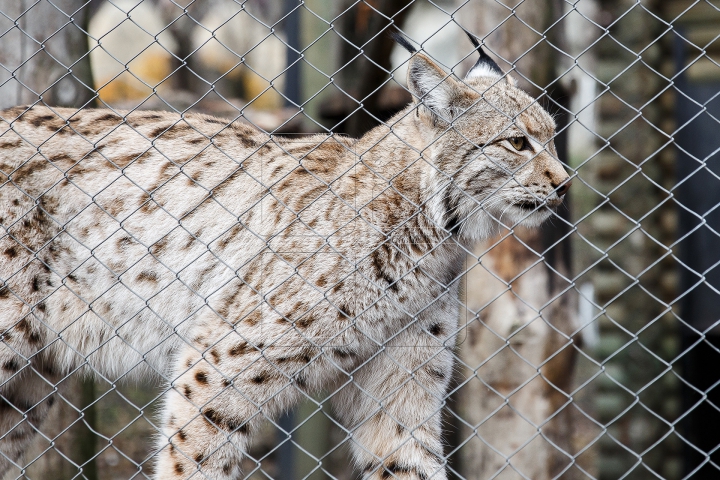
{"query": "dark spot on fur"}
pixel 107 117
pixel 35 284
pixel 159 246
pixel 248 142
pixel 436 329
pixel 12 144
pixel 452 221
pixel 159 130
pixel 179 469
pixel 212 416
pixel 182 435
pixel 260 378
pixel 276 171
pixel 226 382
pixel 24 326
pixel 51 401
pixel 227 468
pixel 11 365
pixel 252 318
pixel 4 292
pixel 34 338
pixel 198 457
pixel 61 158
pixel 344 312
pixel 380 270
pixel 41 307
pixel 41 119
pixel 303 358
pixel 215 355
pixel 201 377
pixel 187 391
pixel 124 241
pixel 305 321
pixel 11 252
pixel 343 353
pixel 147 276
pixel 231 425
pixel 239 349
pixel 301 381
pixel 399 429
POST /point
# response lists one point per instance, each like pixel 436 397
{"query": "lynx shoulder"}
pixel 248 271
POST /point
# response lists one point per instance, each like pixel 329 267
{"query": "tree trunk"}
pixel 44 57
pixel 365 57
pixel 517 355
pixel 44 54
pixel 181 17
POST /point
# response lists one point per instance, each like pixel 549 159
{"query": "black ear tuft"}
pixel 485 66
pixel 403 41
pixel 473 39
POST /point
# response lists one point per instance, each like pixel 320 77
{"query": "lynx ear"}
pixel 429 84
pixel 434 88
pixel 485 66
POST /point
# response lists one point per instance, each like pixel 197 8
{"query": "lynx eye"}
pixel 518 143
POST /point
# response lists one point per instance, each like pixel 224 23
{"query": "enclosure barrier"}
pixel 587 348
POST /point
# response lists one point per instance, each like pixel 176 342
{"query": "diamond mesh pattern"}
pixel 585 349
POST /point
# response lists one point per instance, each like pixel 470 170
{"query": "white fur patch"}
pixel 482 70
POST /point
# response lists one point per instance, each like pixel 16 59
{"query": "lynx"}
pixel 248 271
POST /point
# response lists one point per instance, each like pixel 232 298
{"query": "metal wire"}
pixel 540 389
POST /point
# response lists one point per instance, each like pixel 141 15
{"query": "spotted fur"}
pixel 251 270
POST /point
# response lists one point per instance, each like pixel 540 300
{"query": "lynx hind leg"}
pixel 222 389
pixel 25 385
pixel 393 407
pixel 25 401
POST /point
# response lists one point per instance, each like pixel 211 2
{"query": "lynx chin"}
pixel 244 272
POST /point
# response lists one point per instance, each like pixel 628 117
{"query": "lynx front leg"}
pixel 393 406
pixel 222 391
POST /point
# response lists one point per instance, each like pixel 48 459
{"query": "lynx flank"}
pixel 247 271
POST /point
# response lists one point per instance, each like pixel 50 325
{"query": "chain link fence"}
pixel 587 348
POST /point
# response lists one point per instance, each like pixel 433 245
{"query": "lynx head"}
pixel 492 146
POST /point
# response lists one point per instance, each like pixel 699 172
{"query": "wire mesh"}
pixel 157 321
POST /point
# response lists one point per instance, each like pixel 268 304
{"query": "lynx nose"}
pixel 563 189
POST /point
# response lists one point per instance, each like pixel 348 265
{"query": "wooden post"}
pixel 517 354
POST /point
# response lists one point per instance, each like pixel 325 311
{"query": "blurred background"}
pixel 588 349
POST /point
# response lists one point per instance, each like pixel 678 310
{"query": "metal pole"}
pixel 292 32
